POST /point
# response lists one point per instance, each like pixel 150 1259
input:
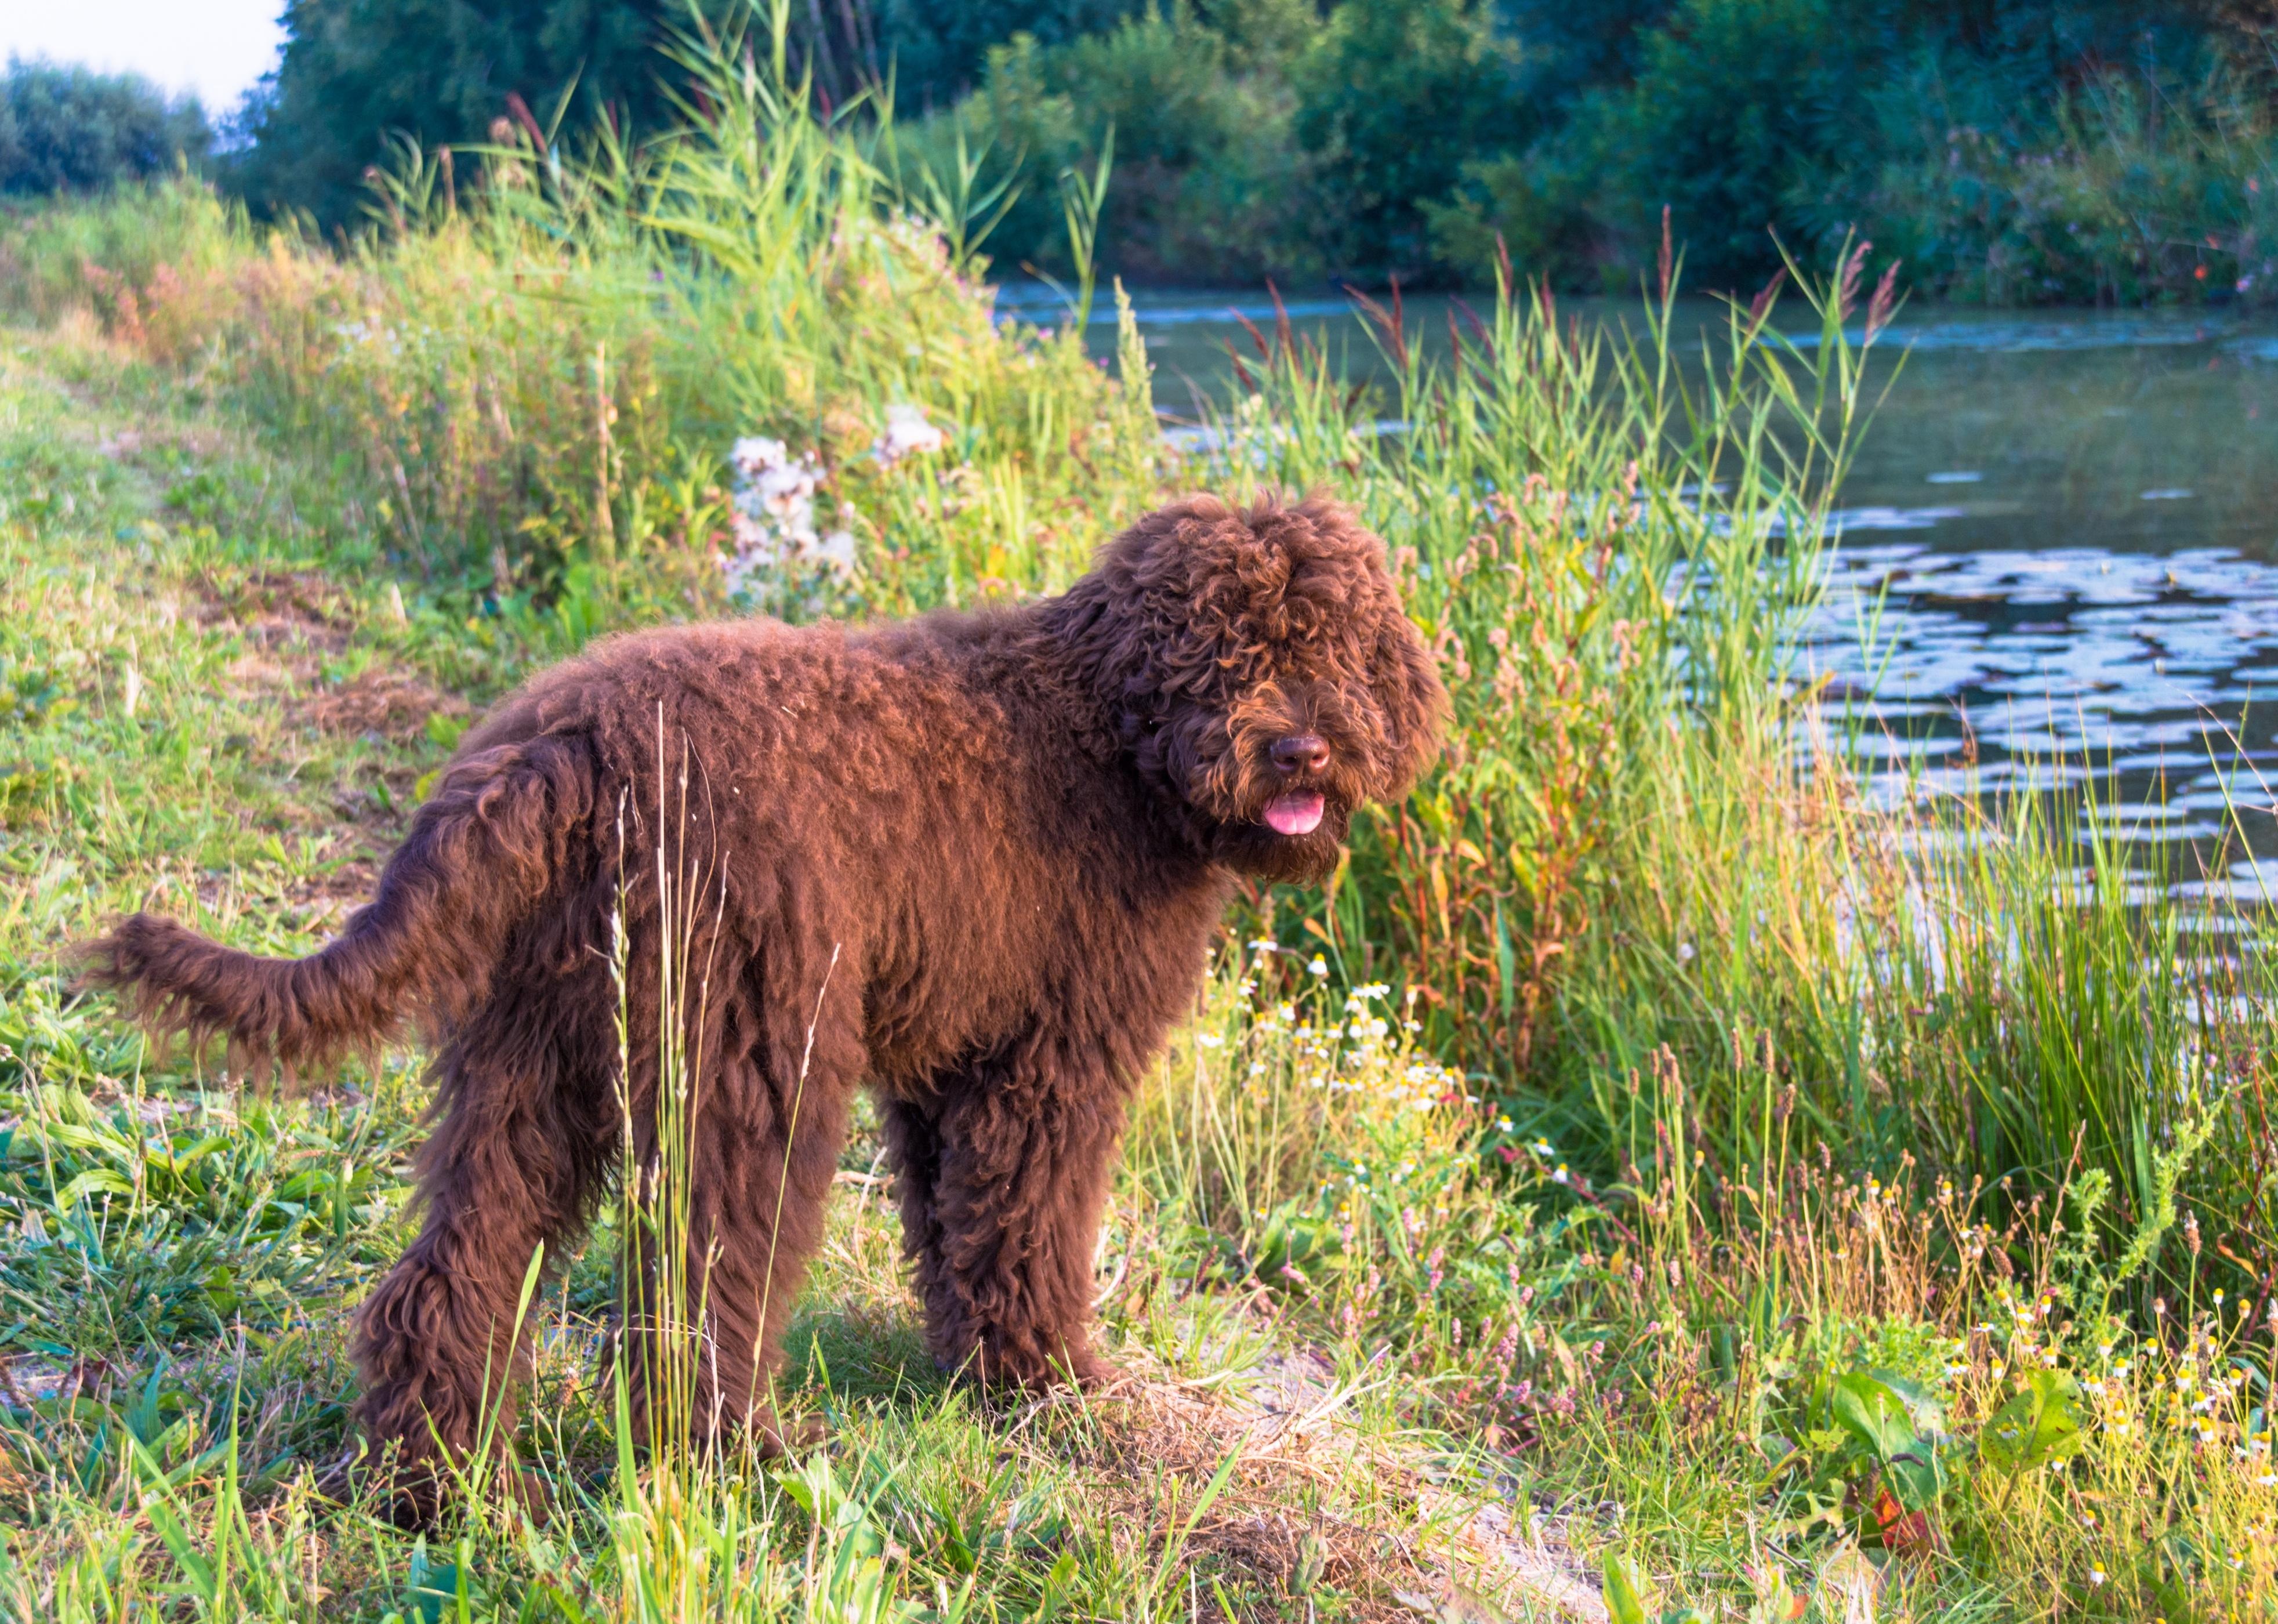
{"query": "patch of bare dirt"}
pixel 318 902
pixel 1474 1553
pixel 295 621
pixel 127 444
pixel 394 704
pixel 296 612
pixel 322 902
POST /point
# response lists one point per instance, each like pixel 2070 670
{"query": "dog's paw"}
pixel 1091 1374
pixel 780 1438
pixel 414 1495
pixel 406 1496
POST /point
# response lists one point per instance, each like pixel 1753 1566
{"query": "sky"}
pixel 216 49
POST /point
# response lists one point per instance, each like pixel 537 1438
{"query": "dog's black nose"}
pixel 1301 752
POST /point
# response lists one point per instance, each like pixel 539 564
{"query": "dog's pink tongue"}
pixel 1296 813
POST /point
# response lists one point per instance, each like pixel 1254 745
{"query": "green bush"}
pixel 1394 97
pixel 1206 172
pixel 1725 111
pixel 940 52
pixel 84 254
pixel 2124 190
pixel 354 70
pixel 66 129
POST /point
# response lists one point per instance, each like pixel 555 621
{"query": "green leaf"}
pixel 2038 1425
pixel 1876 1414
pixel 221 1288
pixel 94 1181
pixel 1623 1601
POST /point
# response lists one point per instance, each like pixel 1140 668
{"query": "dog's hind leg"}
pixel 914 1145
pixel 525 1139
pixel 762 1146
pixel 1003 1175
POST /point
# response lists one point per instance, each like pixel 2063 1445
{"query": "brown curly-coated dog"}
pixel 972 860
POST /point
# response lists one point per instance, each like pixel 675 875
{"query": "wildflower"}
pixel 2095 1573
pixel 1562 1175
pixel 908 434
pixel 772 521
pixel 1318 967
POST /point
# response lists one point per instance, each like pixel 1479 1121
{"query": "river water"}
pixel 2059 557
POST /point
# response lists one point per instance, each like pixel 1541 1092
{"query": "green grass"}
pixel 1641 1158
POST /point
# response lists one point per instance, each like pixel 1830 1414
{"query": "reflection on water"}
pixel 2059 549
pixel 1957 670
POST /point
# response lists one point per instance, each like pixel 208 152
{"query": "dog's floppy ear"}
pixel 1414 703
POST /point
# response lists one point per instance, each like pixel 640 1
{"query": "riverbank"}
pixel 1643 1151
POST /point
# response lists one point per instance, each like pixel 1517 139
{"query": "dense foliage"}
pixel 353 71
pixel 2008 150
pixel 66 129
pixel 442 70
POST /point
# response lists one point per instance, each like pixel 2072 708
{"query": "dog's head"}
pixel 1262 672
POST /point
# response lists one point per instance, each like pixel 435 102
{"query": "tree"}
pixel 66 129
pixel 940 48
pixel 440 70
pixel 1393 98
pixel 353 71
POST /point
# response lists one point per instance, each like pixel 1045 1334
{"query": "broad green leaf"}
pixel 1912 1481
pixel 2040 1424
pixel 94 1181
pixel 1874 1412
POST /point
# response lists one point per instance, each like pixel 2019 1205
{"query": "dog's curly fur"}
pixel 974 861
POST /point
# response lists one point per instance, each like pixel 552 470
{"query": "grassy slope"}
pixel 213 704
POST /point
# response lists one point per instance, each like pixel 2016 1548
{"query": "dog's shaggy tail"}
pixel 480 855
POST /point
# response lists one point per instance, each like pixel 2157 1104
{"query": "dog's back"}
pixel 954 816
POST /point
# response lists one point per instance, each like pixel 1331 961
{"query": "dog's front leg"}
pixel 1002 1174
